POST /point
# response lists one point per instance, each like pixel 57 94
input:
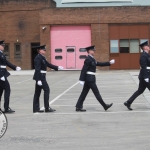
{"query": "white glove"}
pixel 146 80
pixel 81 82
pixel 112 61
pixel 18 68
pixel 3 78
pixel 39 83
pixel 60 68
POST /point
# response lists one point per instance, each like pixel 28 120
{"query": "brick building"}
pixel 116 29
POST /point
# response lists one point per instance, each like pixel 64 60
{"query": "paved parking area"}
pixel 116 129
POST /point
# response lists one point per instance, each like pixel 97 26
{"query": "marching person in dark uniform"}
pixel 4 84
pixel 87 78
pixel 144 75
pixel 41 65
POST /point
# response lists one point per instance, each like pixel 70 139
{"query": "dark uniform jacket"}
pixel 41 63
pixel 144 63
pixel 4 62
pixel 90 65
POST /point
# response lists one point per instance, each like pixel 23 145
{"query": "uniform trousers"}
pixel 142 86
pixel 36 100
pixel 86 88
pixel 5 86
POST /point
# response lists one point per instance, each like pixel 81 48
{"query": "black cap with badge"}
pixel 144 44
pixel 42 47
pixel 2 43
pixel 90 48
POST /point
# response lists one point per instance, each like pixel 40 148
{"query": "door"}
pixel 63 37
pixel 71 61
pixel 33 53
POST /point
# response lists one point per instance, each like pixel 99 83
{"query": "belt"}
pixel 92 73
pixel 2 66
pixel 42 71
pixel 147 67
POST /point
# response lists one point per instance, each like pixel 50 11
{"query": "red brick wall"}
pixel 99 19
pixel 16 5
pixel 24 19
pixel 24 26
pixel 95 15
pixel 20 20
pixel 45 39
pixel 100 38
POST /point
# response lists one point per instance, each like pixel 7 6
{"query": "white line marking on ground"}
pixel 61 94
pixel 87 113
pixel 89 97
pixel 120 92
pixel 99 104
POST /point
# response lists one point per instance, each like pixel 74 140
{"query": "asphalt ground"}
pixel 116 129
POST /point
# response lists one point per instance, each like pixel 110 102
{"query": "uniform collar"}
pixel 1 51
pixel 42 56
pixel 145 53
pixel 91 56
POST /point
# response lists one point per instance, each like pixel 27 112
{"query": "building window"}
pixel 58 57
pixel 114 46
pixel 142 41
pixel 58 50
pixel 82 50
pixel 6 51
pixel 18 50
pixel 134 46
pixel 70 50
pixel 82 56
pixel 124 46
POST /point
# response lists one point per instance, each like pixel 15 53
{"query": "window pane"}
pixel 59 50
pixel 70 50
pixel 82 56
pixel 134 46
pixel 58 57
pixel 124 46
pixel 17 50
pixel 6 51
pixel 142 41
pixel 114 46
pixel 82 50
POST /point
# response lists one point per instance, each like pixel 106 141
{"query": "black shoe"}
pixel 80 109
pixel 128 105
pixel 108 106
pixel 50 110
pixel 9 110
pixel 38 111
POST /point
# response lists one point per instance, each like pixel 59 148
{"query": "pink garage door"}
pixel 67 45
